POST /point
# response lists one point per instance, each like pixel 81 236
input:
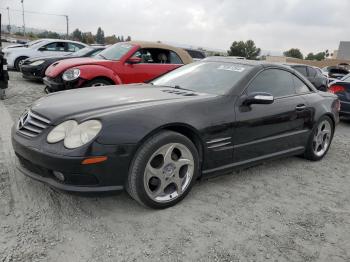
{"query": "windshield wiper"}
pixel 179 87
pixel 175 87
pixel 103 57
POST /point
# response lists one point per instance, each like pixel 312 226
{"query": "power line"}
pixel 39 13
pixel 32 12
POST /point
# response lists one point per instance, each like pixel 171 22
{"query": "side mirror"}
pixel 42 49
pixel 258 98
pixel 134 60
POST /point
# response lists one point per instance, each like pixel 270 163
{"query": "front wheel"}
pixel 320 139
pixel 19 62
pixel 98 82
pixel 163 170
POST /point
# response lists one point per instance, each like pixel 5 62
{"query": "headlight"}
pixel 75 135
pixel 61 131
pixel 71 74
pixel 36 63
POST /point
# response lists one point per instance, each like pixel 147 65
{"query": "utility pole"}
pixel 67 21
pixel 8 15
pixel 24 25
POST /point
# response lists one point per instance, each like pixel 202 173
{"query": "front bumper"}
pixel 57 84
pixel 41 165
pixel 32 72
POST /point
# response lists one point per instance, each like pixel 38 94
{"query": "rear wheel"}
pixel 98 82
pixel 163 171
pixel 19 61
pixel 320 139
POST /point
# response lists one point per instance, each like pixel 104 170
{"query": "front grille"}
pixel 31 124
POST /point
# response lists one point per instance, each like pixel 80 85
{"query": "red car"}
pixel 122 63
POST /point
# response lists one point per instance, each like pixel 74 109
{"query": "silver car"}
pixel 16 54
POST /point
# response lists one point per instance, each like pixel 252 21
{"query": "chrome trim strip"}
pixel 33 129
pixel 34 123
pixel 271 138
pixel 27 133
pixel 218 140
pixel 219 145
pixel 42 119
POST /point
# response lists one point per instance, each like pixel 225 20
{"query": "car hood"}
pixel 57 68
pixel 15 46
pixel 48 58
pixel 15 49
pixel 90 102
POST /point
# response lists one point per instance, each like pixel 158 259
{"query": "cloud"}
pixel 311 25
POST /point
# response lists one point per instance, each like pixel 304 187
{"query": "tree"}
pixel 49 34
pixel 88 38
pixel 110 40
pixel 128 39
pixel 244 49
pixel 77 35
pixel 319 56
pixel 293 52
pixel 327 53
pixel 100 36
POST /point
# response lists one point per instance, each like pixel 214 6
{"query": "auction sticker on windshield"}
pixel 233 68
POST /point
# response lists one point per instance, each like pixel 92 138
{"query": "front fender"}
pixel 89 72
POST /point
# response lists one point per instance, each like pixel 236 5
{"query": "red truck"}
pixel 121 63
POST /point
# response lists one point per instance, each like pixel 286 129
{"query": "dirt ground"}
pixel 285 210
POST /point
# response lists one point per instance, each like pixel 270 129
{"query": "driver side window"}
pixel 276 82
pixel 56 46
pixel 158 56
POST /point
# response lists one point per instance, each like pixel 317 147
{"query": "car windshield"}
pixel 116 51
pixel 206 77
pixel 82 51
pixel 31 43
pixel 346 78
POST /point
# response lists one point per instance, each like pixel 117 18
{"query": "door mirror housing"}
pixel 42 48
pixel 258 98
pixel 134 60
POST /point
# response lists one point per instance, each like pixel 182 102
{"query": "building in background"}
pixel 344 50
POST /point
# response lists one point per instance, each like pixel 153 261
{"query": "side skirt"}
pixel 251 162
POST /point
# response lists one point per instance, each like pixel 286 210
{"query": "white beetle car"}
pixel 16 54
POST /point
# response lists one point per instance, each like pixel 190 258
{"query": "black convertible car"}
pixel 156 139
pixel 34 68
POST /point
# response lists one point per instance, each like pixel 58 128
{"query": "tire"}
pixel 163 170
pixel 319 143
pixel 98 82
pixel 19 61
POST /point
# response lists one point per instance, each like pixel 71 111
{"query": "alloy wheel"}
pixel 168 172
pixel 322 138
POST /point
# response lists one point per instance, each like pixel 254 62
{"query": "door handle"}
pixel 300 107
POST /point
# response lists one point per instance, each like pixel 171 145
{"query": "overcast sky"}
pixel 276 25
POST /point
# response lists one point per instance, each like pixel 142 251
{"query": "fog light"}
pixel 59 175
